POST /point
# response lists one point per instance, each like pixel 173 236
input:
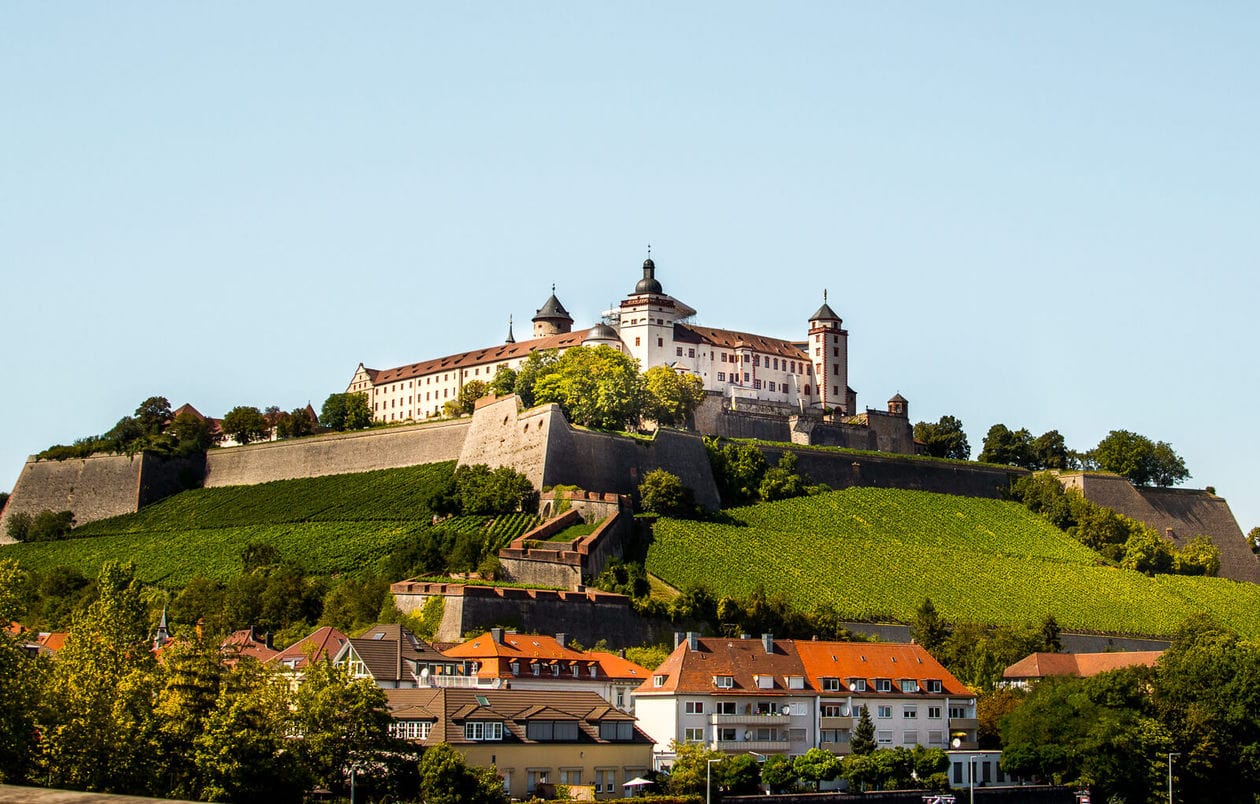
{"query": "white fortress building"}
pixel 654 328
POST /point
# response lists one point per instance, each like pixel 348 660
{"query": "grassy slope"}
pixel 330 525
pixel 876 553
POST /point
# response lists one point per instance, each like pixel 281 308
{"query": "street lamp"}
pixel 1170 758
pixel 708 780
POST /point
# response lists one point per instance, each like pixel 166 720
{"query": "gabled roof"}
pixel 387 650
pixel 730 339
pixel 1043 665
pixel 874 660
pixel 495 657
pixel 246 643
pixel 323 643
pixel 478 357
pixel 744 660
pixel 450 707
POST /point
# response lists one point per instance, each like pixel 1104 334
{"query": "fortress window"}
pixel 835 390
pixel 745 376
pixel 678 351
pixel 721 376
pixel 771 385
pixel 757 384
pixel 835 369
pixel 817 352
pixel 806 390
pixel 660 341
pixel 724 357
pixel 691 353
pixel 636 341
pixel 835 352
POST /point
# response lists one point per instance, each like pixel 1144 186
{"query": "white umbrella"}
pixel 637 781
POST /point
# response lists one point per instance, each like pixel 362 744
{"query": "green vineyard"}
pixel 877 553
pixel 329 525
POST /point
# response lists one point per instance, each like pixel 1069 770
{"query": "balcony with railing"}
pixel 838 723
pixel 750 719
pixel 461 682
pixel 761 746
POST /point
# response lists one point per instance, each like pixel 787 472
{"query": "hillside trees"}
pixel 466 401
pixel 943 439
pixel 1143 461
pixel 445 778
pixel 1018 448
pixel 670 397
pixel 245 423
pixel 663 493
pixel 345 412
pixel 20 681
pixel 596 387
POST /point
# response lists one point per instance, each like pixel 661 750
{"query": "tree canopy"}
pixel 345 412
pixel 943 439
pixel 670 397
pixel 595 386
pixel 245 423
pixel 1143 461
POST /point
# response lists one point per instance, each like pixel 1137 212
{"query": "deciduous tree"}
pixel 663 493
pixel 245 423
pixel 943 439
pixel 1143 461
pixel 595 386
pixel 670 396
pixel 445 778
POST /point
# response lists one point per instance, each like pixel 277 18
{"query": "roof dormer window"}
pixel 857 684
pixel 883 685
pixel 724 682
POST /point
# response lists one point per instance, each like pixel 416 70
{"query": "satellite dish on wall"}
pixel 747 735
pixel 786 710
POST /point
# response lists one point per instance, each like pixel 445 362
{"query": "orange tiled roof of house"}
pixel 743 661
pixel 321 644
pixel 1044 665
pixel 874 660
pixel 746 667
pixel 54 641
pixel 246 642
pixel 614 666
pixel 495 656
pixel 476 357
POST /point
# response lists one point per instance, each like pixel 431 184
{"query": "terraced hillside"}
pixel 332 524
pixel 877 553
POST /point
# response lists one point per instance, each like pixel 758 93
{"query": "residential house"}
pixel 246 643
pixel 1036 666
pixel 322 644
pixel 786 696
pixel 506 659
pixel 534 738
pixel 395 658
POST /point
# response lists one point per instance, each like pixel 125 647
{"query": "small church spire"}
pixel 510 338
pixel 163 634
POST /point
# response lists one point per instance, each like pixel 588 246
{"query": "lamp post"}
pixel 1170 759
pixel 708 780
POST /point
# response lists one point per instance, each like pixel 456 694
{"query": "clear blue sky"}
pixel 1044 216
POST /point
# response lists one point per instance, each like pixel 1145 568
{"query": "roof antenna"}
pixel 824 295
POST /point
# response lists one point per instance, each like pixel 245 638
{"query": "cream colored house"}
pixel 533 738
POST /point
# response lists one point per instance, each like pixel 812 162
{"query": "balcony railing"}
pixel 837 748
pixel 740 746
pixel 749 719
pixel 463 682
pixel 840 723
pixel 963 724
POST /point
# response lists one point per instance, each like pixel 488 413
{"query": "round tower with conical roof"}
pixel 552 318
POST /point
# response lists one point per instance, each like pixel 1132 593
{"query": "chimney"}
pixel 745 636
pixel 497 635
pixel 560 638
pixel 767 641
pixel 693 640
pixel 678 638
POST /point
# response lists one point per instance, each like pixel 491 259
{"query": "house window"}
pixel 910 712
pixel 621 698
pixel 831 684
pixel 957 711
pixel 410 729
pixel 535 778
pixel 694 707
pixel 726 707
pixel 796 682
pixel 883 685
pixel 727 735
pixel 909 685
pixel 910 738
pixel 771 384
pixel 884 737
pixel 604 780
pixel 764 682
pixel 857 684
pixel 884 712
pixel 552 730
pixel 570 776
pixel 483 731
pixel 516 668
pixel 594 670
pixel 537 670
pixel 658 681
pixel 724 682
pixel 934 713
pixel 936 739
pixel 616 731
pixel 767 708
pixel 691 353
pixel 693 735
pixel 721 376
pixel 834 710
pixel 678 351
pixel 934 685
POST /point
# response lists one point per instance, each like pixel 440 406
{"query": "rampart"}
pixel 841 470
pixel 770 421
pixel 98 486
pixel 335 454
pixel 1180 514
pixel 533 560
pixel 586 615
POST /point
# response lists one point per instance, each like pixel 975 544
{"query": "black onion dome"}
pixel 648 283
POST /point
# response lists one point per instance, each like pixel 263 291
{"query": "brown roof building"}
pixel 395 658
pixel 541 662
pixel 787 696
pixel 1036 666
pixel 532 737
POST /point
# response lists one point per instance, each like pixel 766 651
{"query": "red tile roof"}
pixel 495 658
pixel 321 644
pixel 1043 665
pixel 730 339
pixel 477 357
pixel 746 662
pixel 243 643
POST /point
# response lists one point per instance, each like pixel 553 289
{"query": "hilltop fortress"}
pixel 788 392
pixel 759 374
